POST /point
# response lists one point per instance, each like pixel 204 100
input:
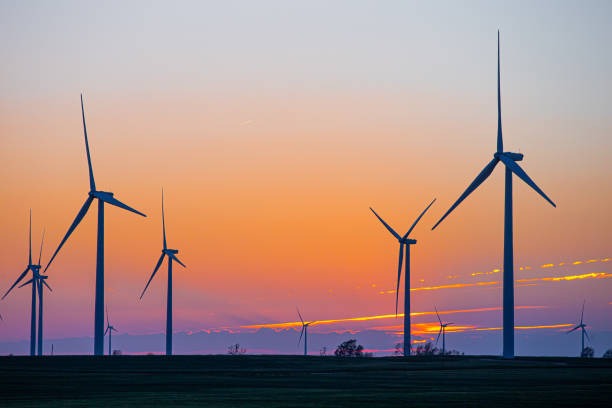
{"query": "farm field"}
pixel 298 381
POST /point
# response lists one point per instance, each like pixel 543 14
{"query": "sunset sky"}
pixel 272 127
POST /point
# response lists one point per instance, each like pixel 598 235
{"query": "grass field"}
pixel 297 381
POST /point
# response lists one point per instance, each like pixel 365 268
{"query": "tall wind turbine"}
pixel 34 268
pixel 171 253
pixel 582 327
pixel 304 332
pixel 509 160
pixel 442 332
pixel 102 197
pixel 404 242
pixel 109 329
pixel 40 281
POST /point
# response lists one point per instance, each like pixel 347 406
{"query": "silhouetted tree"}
pixel 426 349
pixel 349 349
pixel 235 350
pixel 323 351
pixel 399 349
pixel 607 354
pixel 588 352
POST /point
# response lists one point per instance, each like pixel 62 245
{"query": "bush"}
pixel 588 352
pixel 349 349
pixel 607 354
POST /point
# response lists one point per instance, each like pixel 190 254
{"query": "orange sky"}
pixel 268 181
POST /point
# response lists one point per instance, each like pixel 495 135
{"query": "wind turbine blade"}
pixel 113 201
pixel 113 329
pixel 177 260
pixel 161 258
pixel 76 222
pixel 500 141
pixel 26 283
pixel 587 335
pixel 575 328
pixel 17 281
pixel 30 240
pixel 301 334
pixel 92 183
pixel 42 240
pixel 439 333
pixel 399 275
pixel 106 331
pixel 107 322
pixel 438 315
pixel 391 230
pixel 163 219
pixel 486 172
pixel 516 169
pixel 47 285
pixel 418 219
pixel 298 310
pixel 582 314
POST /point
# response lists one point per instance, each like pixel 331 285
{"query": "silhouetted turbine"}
pixel 582 327
pixel 39 281
pixel 171 253
pixel 442 332
pixel 304 332
pixel 35 268
pixel 109 329
pixel 509 160
pixel 404 242
pixel 102 197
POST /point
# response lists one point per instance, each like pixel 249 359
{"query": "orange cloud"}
pixel 387 316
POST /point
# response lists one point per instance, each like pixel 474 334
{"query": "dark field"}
pixel 297 381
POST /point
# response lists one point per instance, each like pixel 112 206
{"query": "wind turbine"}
pixel 109 329
pixel 304 332
pixel 39 281
pixel 442 332
pixel 35 269
pixel 171 253
pixel 404 242
pixel 102 197
pixel 582 327
pixel 509 160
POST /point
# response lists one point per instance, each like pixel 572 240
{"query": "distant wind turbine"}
pixel 509 160
pixel 35 268
pixel 109 329
pixel 304 332
pixel 442 332
pixel 102 197
pixel 171 253
pixel 582 327
pixel 404 242
pixel 39 281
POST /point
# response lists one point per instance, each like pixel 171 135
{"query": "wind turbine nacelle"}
pixel 410 241
pixel 171 251
pixel 102 195
pixel 514 156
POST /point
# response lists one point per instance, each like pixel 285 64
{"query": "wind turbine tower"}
pixel 510 160
pixel 304 332
pixel 34 268
pixel 442 332
pixel 109 329
pixel 171 254
pixel 582 327
pixel 404 242
pixel 102 197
